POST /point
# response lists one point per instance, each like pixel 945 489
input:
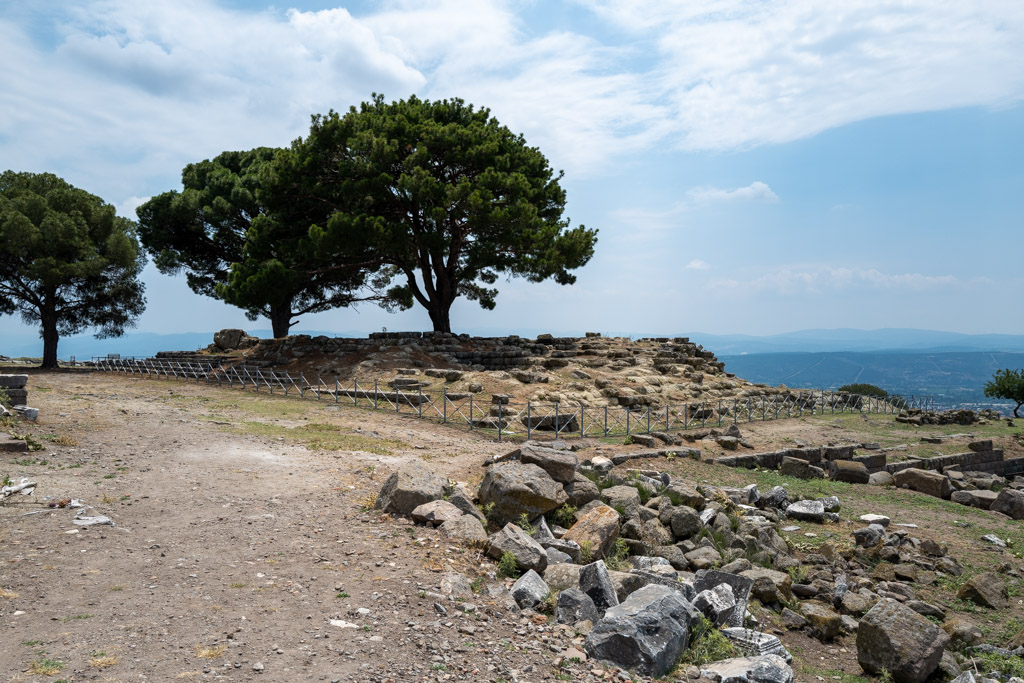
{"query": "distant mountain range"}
pixel 804 341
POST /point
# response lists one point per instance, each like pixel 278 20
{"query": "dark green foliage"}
pixel 1008 384
pixel 438 195
pixel 219 230
pixel 864 390
pixel 67 261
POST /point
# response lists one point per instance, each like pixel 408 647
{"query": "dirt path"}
pixel 231 552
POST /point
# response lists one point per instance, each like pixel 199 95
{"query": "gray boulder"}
pixel 986 589
pixel 573 606
pixel 515 489
pixel 561 465
pixel 624 499
pixel 894 637
pixel 646 633
pixel 1010 502
pixel 512 539
pixel 408 488
pixel 869 536
pixel 529 590
pixel 581 491
pixel 596 583
pixel 436 512
pixel 685 522
pixel 982 500
pixel 717 604
pixel 465 529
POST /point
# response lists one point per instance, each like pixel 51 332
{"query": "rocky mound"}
pixel 647 566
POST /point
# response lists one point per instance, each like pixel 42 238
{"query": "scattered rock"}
pixel 436 512
pixel 901 641
pixel 987 589
pixel 529 590
pixel 511 539
pixel 409 487
pixel 647 633
pixel 515 489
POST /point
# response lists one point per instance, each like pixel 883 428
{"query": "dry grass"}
pixel 102 661
pixel 65 440
pixel 45 667
pixel 368 502
pixel 210 652
pixel 7 594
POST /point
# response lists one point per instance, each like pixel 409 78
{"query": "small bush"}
pixel 864 390
pixel 524 524
pixel 709 645
pixel 586 552
pixel 508 566
pixel 617 561
pixel 565 515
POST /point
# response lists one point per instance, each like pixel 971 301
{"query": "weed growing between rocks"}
pixel 709 645
pixel 508 566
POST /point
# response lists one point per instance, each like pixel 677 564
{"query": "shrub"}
pixel 864 390
pixel 508 566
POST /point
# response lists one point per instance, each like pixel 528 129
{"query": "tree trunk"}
pixel 50 337
pixel 1016 409
pixel 439 316
pixel 281 319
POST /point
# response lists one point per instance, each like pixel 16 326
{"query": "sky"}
pixel 752 167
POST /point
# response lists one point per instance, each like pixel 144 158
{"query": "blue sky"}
pixel 752 167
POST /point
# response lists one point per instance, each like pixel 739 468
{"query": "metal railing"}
pixel 505 417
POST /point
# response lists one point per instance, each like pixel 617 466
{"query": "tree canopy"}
pixel 1008 384
pixel 67 261
pixel 864 390
pixel 438 196
pixel 219 231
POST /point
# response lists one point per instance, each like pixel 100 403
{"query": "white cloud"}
pixel 128 206
pixel 739 73
pixel 697 264
pixel 755 191
pixel 793 280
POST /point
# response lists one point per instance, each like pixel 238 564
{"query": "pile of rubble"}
pixel 947 417
pixel 646 565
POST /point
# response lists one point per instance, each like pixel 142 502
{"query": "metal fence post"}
pixel 606 420
pixel 444 405
pixel 375 393
pixel 420 407
pixel 499 422
pixel 529 421
pixel 583 432
pixel 556 420
pixel 627 420
pixel 735 415
pixel 471 412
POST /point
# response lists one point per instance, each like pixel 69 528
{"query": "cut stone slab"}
pixel 529 590
pixel 465 529
pixel 597 530
pixel 799 468
pixel 849 471
pixel 894 637
pixel 436 512
pixel 512 539
pixel 515 489
pixel 13 381
pixel 755 643
pixel 762 669
pixel 880 520
pixel 409 487
pixel 924 481
pixel 1010 502
pixel 982 500
pixel 11 445
pixel 807 511
pixel 646 633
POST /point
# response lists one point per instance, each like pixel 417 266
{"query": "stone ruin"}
pixel 980 477
pixel 645 565
pixel 15 387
